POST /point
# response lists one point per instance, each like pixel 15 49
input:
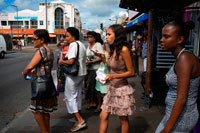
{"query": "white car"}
pixel 2 47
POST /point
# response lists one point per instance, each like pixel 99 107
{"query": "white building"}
pixel 54 16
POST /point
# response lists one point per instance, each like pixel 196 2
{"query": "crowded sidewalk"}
pixel 61 122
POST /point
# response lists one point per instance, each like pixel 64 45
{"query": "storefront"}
pixel 161 12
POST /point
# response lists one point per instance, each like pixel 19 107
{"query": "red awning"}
pixel 15 31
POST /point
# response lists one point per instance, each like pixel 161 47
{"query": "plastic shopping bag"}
pixel 55 80
pixel 102 85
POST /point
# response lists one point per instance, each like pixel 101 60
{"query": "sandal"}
pixel 78 127
pixel 97 110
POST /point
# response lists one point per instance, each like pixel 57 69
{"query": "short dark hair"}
pixel 42 34
pixel 183 28
pixel 74 32
pixel 92 33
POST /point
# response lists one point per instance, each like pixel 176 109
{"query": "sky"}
pixel 93 12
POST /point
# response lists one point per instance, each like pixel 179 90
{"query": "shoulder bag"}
pixel 43 86
pixel 74 68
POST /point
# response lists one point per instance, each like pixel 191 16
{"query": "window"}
pixel 34 24
pixel 41 22
pixel 4 23
pixel 15 23
pixel 26 24
pixel 59 18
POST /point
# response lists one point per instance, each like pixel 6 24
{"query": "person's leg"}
pixel 125 124
pixel 91 88
pixel 46 117
pixel 145 64
pixel 79 96
pixel 99 104
pixel 40 120
pixel 103 122
pixel 79 118
pixel 71 94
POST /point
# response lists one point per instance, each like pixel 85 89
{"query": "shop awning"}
pixel 140 18
pixel 30 36
pixel 17 35
pixel 52 35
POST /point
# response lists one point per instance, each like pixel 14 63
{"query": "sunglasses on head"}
pixel 89 36
pixel 33 39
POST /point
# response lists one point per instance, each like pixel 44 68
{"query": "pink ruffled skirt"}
pixel 119 101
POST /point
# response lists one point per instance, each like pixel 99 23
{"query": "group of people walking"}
pixel 118 99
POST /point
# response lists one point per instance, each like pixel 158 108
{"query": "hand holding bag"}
pixel 102 86
pixel 74 68
pixel 43 86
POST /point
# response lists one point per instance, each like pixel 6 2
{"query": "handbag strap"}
pixel 77 55
pixel 43 59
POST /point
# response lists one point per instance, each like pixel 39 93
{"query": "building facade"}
pixel 54 16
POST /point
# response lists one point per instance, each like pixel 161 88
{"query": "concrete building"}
pixel 54 16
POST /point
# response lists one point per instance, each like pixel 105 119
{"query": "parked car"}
pixel 2 46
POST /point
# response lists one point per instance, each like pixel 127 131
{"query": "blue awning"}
pixel 140 18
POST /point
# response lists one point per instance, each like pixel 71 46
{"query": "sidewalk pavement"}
pixel 140 122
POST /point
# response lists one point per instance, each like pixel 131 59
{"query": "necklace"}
pixel 180 52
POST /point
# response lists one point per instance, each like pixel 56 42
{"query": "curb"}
pixel 11 123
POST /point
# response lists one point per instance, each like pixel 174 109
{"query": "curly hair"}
pixel 120 40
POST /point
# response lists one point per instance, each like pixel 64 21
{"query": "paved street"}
pixel 15 95
pixel 14 90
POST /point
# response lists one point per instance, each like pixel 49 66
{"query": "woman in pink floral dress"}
pixel 119 100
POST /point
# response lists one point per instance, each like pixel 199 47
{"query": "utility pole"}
pixel 46 13
pixel 17 21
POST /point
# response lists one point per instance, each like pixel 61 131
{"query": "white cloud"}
pixel 26 4
pixel 94 12
pixel 100 8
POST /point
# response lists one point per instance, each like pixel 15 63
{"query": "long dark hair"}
pixel 120 40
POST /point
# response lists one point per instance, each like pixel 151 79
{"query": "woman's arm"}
pixel 35 60
pixel 183 69
pixel 98 59
pixel 129 65
pixel 59 43
pixel 66 62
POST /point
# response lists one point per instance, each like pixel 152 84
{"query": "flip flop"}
pixel 78 127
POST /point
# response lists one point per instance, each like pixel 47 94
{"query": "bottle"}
pixel 28 77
